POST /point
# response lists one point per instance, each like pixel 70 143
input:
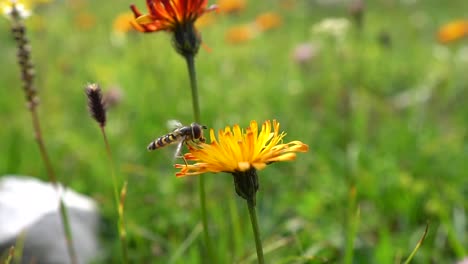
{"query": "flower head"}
pixel 231 6
pixel 453 31
pixel 236 150
pixel 268 21
pixel 335 27
pixel 176 16
pixel 96 105
pixel 23 9
pixel 241 33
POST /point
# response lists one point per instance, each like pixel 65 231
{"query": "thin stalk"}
pixel 11 253
pixel 27 76
pixel 53 180
pixel 42 148
pixel 119 207
pixel 122 230
pixel 347 138
pixel 201 181
pixel 418 245
pixel 258 241
pixel 193 85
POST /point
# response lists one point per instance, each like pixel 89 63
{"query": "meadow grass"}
pixel 407 162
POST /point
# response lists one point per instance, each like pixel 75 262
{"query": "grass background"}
pixel 408 163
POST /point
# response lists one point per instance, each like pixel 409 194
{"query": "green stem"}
pixel 53 180
pixel 196 112
pixel 253 220
pixel 121 224
pixel 27 76
pixel 68 232
pixel 193 85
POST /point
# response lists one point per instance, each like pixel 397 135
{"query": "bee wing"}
pixel 174 124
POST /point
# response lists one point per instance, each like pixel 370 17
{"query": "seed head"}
pixel 96 104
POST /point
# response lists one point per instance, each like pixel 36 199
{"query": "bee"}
pixel 180 134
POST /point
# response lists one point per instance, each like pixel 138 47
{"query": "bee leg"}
pixel 182 157
pixel 178 153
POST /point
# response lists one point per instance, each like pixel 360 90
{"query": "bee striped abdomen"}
pixel 181 135
pixel 163 141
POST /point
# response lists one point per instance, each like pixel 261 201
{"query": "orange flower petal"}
pixel 268 21
pixel 240 34
pixel 231 6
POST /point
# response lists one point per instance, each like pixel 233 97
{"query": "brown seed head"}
pixel 24 57
pixel 95 103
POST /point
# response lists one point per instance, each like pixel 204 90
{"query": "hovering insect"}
pixel 180 135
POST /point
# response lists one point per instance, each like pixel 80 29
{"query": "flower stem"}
pixel 193 85
pixel 196 112
pixel 119 207
pixel 253 220
pixel 27 76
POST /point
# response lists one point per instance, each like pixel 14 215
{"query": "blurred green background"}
pixel 382 106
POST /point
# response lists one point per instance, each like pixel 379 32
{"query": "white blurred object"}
pixel 31 206
pixel 6 8
pixel 332 26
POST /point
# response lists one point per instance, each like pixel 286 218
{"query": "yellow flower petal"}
pixel 144 19
pixel 236 150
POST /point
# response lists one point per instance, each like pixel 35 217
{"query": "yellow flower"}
pixel 122 22
pixel 236 150
pixel 205 21
pixel 24 7
pixel 453 31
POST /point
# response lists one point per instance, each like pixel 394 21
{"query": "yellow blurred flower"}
pixel 288 4
pixel 236 150
pixel 242 33
pixel 206 20
pixel 122 23
pixel 85 20
pixel 453 31
pixel 268 21
pixel 231 6
pixel 24 7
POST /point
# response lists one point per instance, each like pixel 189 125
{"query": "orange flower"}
pixel 176 16
pixel 242 33
pixel 231 6
pixel 268 21
pixel 236 150
pixel 453 31
pixel 169 15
